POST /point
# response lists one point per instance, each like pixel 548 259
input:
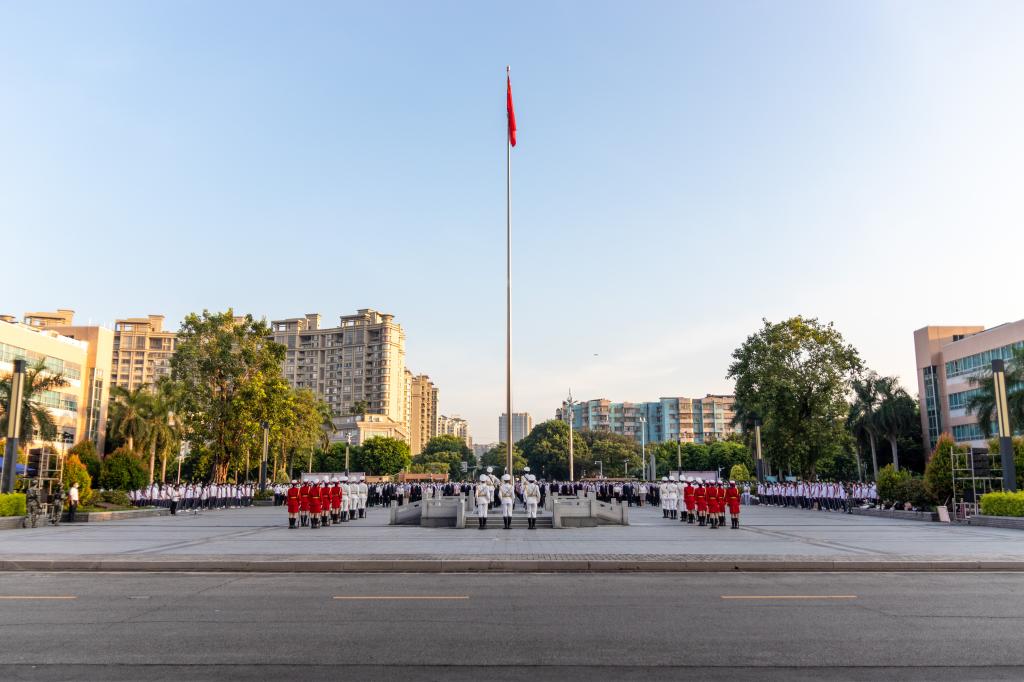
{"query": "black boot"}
pixel 291 523
pixel 691 515
pixel 702 521
pixel 664 513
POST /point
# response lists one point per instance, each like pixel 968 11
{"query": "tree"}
pixel 35 415
pixel 891 482
pixel 439 462
pixel 497 458
pixel 230 375
pixel 383 456
pixel 546 450
pixel 122 470
pixel 447 443
pixel 863 419
pixel 85 450
pixel 938 474
pixel 613 450
pixel 897 414
pixel 983 403
pixel 794 376
pixel 128 414
pixel 739 473
pixel 76 472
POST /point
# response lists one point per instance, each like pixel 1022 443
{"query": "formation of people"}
pixel 194 496
pixel 820 495
pixel 490 489
pixel 319 503
pixel 696 501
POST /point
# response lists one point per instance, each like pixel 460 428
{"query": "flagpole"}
pixel 508 291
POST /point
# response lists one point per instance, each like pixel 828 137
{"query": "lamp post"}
pixel 625 463
pixel 757 450
pixel 679 452
pixel 1003 422
pixel 568 405
pixel 643 438
pixel 601 465
pixel 348 444
pixel 263 459
pixel 14 408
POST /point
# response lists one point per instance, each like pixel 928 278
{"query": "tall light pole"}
pixel 679 452
pixel 263 460
pixel 568 405
pixel 348 444
pixel 601 465
pixel 1003 422
pixel 625 463
pixel 14 408
pixel 757 450
pixel 643 438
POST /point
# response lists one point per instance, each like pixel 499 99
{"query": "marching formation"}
pixel 194 496
pixel 694 500
pixel 320 503
pixel 824 496
pixel 489 488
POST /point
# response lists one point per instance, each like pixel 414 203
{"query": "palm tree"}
pixel 160 434
pixel 128 411
pixel 359 408
pixel 983 403
pixel 897 413
pixel 35 416
pixel 327 425
pixel 863 418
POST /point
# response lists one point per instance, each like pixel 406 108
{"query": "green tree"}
pixel 794 375
pixel 891 484
pixel 613 450
pixel 128 414
pixel 229 373
pixel 497 457
pixel 122 470
pixel 448 443
pixel 85 450
pixel 938 474
pixel 838 466
pixel 40 385
pixel 863 419
pixel 897 415
pixel 383 456
pixel 439 462
pixel 739 473
pixel 546 450
pixel 983 403
pixel 76 472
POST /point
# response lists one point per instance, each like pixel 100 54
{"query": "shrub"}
pixel 75 472
pixel 739 472
pixel 12 504
pixel 86 452
pixel 891 484
pixel 116 497
pixel 938 474
pixel 122 470
pixel 914 491
pixel 1003 504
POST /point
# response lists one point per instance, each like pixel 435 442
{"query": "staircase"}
pixel 519 521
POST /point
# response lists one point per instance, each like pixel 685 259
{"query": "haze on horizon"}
pixel 683 170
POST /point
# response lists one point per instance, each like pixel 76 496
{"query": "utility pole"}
pixel 14 408
pixel 568 405
pixel 263 460
pixel 348 444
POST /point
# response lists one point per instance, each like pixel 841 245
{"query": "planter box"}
pixel 1015 522
pixel 898 514
pixel 8 522
pixel 93 517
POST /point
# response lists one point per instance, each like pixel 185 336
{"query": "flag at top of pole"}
pixel 511 111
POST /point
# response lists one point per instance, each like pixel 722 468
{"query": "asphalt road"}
pixel 156 626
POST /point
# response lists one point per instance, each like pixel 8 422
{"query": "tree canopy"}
pixel 383 456
pixel 546 450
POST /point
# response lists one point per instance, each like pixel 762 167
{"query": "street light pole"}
pixel 1003 422
pixel 348 443
pixel 568 404
pixel 263 460
pixel 757 450
pixel 601 465
pixel 643 438
pixel 625 462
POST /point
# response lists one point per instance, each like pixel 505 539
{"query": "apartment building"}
pixel 522 424
pixel 690 420
pixel 454 426
pixel 948 357
pixel 362 359
pixel 423 414
pixel 142 351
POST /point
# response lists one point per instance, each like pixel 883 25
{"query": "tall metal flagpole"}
pixel 508 287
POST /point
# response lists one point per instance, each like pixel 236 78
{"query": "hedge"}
pixel 1003 504
pixel 12 504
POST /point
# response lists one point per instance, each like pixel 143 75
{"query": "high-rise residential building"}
pixel 96 372
pixel 362 360
pixel 423 413
pixel 690 420
pixel 454 426
pixel 142 351
pixel 480 449
pixel 522 424
pixel 947 359
pixel 79 408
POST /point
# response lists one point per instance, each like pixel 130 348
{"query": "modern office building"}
pixel 142 351
pixel 360 360
pixel 454 426
pixel 522 424
pixel 423 412
pixel 947 359
pixel 689 420
pixel 79 408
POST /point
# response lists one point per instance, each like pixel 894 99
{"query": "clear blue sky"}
pixel 683 170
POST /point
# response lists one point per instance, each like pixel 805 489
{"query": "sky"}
pixel 683 170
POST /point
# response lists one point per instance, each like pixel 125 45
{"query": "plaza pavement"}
pixel 258 539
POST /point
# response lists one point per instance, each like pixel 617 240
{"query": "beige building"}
pixel 357 429
pixel 78 409
pixel 423 415
pixel 362 359
pixel 947 359
pixel 142 351
pixel 454 426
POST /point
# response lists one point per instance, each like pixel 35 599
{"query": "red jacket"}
pixel 304 497
pixel 293 500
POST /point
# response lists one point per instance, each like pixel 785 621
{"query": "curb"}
pixel 484 565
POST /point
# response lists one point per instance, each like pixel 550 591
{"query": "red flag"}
pixel 511 115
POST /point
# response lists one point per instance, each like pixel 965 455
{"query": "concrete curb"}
pixel 485 565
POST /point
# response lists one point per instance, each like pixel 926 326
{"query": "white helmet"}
pixel 506 477
pixel 483 479
pixel 294 482
pixel 344 478
pixel 490 470
pixel 700 480
pixel 664 478
pixel 531 478
pixel 673 478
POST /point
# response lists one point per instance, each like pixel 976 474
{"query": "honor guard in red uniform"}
pixel 690 501
pixel 293 503
pixel 325 503
pixel 304 503
pixel 732 498
pixel 700 499
pixel 335 501
pixel 314 504
pixel 713 504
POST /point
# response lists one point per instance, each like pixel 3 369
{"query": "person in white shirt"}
pixel 72 502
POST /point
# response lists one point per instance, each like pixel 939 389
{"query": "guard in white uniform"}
pixel 507 494
pixel 364 492
pixel 672 493
pixel 532 495
pixel 482 495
